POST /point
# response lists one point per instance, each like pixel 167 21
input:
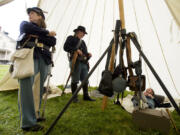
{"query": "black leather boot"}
pixel 34 128
pixel 73 89
pixel 85 93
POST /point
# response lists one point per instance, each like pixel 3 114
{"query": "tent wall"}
pixel 8 83
pixel 151 20
pixel 174 7
pixel 3 2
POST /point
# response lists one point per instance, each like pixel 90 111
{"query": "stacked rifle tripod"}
pixel 134 82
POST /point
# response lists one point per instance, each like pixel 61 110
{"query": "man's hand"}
pixel 79 52
pixel 150 96
pixel 145 93
pixel 52 33
pixel 89 55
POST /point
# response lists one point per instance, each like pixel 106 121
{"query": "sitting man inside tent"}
pixel 151 100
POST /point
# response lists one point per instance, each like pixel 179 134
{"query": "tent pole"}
pixel 111 68
pixel 121 13
pixel 111 65
pixel 39 3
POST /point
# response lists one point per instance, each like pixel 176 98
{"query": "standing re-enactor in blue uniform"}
pixel 31 88
pixel 72 44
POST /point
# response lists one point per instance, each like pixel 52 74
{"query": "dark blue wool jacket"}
pixel 71 45
pixel 34 29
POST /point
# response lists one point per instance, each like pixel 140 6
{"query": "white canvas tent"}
pixel 155 25
pixel 152 21
pixel 7 83
pixel 3 2
pixel 174 7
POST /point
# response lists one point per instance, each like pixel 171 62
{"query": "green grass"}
pixel 89 89
pixel 3 70
pixel 83 118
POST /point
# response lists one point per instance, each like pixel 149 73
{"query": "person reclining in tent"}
pixel 80 71
pixel 149 94
pixel 29 106
pixel 152 99
pixel 158 99
pixel 147 98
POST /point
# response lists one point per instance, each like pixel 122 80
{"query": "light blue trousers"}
pixel 30 94
pixel 80 72
pixel 150 102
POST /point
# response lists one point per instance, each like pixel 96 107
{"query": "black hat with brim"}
pixel 37 10
pixel 80 28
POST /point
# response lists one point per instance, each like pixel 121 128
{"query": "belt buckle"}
pixel 40 45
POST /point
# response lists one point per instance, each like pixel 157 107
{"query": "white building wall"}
pixel 7 47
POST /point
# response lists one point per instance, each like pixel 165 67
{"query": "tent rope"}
pixel 88 42
pixel 60 49
pixel 61 18
pixel 84 11
pixel 59 22
pixel 82 18
pixel 91 24
pixel 101 39
pixel 73 15
pixel 161 48
pixel 46 5
pixel 140 39
pixel 56 4
pixel 39 3
pixel 25 4
pixel 113 13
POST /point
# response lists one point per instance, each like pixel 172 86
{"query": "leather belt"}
pixel 40 45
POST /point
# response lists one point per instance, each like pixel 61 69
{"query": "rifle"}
pixel 75 55
pixel 48 82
